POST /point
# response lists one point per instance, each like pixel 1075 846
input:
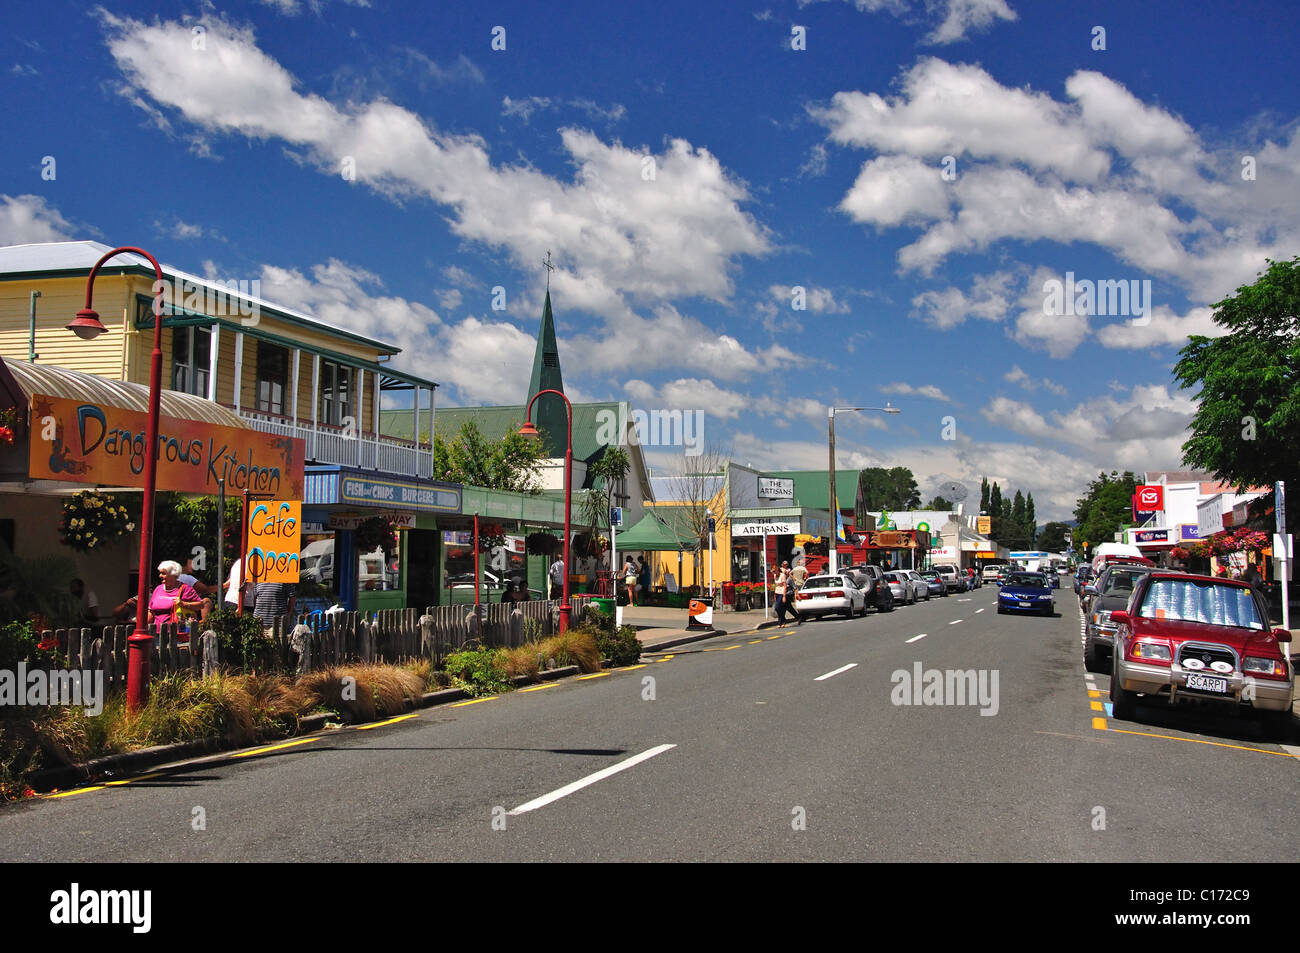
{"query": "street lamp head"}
pixel 891 410
pixel 86 325
pixel 529 432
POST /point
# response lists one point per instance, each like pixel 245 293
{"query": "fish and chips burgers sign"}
pixel 93 443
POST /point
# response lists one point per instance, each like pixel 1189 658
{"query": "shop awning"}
pixel 652 534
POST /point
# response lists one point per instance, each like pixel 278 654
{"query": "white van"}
pixel 316 564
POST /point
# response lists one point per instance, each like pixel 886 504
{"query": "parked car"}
pixel 952 577
pixel 825 595
pixel 1199 639
pixel 935 584
pixel 919 584
pixel 990 574
pixel 904 589
pixel 1114 588
pixel 1026 592
pixel 871 580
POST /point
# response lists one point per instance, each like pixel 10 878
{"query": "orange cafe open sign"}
pixel 94 443
pixel 274 538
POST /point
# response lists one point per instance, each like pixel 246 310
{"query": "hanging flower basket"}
pixel 93 520
pixel 8 426
pixel 490 536
pixel 541 544
pixel 376 533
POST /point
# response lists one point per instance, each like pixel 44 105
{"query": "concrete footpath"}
pixel 662 628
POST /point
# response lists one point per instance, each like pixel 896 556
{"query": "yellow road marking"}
pixel 97 787
pixel 592 675
pixel 1099 724
pixel 538 688
pixel 630 668
pixel 1198 741
pixel 1097 706
pixel 1092 694
pixel 667 658
pixel 390 721
pixel 755 641
pixel 287 744
pixel 726 649
pixel 143 777
pixel 474 701
pixel 771 637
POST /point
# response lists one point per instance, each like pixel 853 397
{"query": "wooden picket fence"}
pixel 390 635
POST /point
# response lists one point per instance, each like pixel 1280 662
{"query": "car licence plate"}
pixel 1208 683
pixel 1024 605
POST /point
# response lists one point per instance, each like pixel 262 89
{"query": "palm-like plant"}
pixel 37 587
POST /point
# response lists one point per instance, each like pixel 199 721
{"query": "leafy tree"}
pixel 1018 514
pixel 510 463
pixel 1106 506
pixel 1052 539
pixel 892 489
pixel 1247 427
pixel 984 495
pixel 606 474
pixel 939 503
pixel 1031 519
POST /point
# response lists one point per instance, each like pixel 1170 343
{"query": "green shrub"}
pixel 621 647
pixel 479 671
pixel 242 640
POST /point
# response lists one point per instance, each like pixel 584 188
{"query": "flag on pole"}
pixel 839 521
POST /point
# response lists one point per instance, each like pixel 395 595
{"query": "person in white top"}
pixel 233 584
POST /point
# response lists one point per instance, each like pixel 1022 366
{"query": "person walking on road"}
pixel 780 587
pixel 798 576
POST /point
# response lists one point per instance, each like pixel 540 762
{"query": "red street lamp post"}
pixel 87 326
pixel 530 432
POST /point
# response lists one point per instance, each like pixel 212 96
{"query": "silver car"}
pixel 902 587
pixel 920 584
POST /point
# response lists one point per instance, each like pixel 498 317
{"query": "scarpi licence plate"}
pixel 1208 683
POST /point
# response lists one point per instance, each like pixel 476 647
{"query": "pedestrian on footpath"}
pixel 556 576
pixel 629 580
pixel 798 576
pixel 779 588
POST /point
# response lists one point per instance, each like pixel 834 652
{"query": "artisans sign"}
pixel 764 528
pixel 94 443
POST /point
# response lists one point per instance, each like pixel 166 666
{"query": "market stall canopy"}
pixel 653 534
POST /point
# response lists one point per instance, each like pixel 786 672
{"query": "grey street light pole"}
pixel 832 566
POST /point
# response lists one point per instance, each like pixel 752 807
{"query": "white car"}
pixel 824 595
pixel 903 588
pixel 919 583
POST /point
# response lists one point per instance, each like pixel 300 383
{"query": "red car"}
pixel 1200 639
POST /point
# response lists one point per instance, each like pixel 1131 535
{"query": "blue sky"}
pixel 919 168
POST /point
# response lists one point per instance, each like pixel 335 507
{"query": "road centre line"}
pixel 590 779
pixel 978 611
pixel 954 621
pixel 916 638
pixel 838 671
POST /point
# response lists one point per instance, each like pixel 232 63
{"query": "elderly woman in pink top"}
pixel 171 595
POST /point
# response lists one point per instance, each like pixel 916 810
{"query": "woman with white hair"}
pixel 171 595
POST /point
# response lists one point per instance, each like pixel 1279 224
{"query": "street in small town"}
pixel 483 433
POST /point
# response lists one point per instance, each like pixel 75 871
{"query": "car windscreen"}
pixel 1121 580
pixel 823 582
pixel 1033 580
pixel 1183 600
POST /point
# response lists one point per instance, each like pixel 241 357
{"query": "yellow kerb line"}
pixel 771 637
pixel 1099 724
pixel 538 688
pixel 1093 694
pixel 97 787
pixel 755 641
pixel 667 658
pixel 630 668
pixel 1198 741
pixel 582 678
pixel 474 701
pixel 1097 706
pixel 390 721
pixel 143 777
pixel 287 744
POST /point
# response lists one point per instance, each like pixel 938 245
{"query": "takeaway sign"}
pixel 97 443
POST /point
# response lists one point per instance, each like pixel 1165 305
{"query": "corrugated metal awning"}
pixel 78 385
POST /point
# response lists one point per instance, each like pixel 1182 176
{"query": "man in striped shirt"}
pixel 273 599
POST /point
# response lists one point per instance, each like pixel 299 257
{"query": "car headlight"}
pixel 1150 650
pixel 1101 617
pixel 1264 666
pixel 1048 596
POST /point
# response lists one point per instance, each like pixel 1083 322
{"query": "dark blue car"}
pixel 1026 592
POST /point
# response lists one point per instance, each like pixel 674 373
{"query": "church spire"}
pixel 548 413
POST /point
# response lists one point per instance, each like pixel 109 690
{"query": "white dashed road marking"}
pixel 838 671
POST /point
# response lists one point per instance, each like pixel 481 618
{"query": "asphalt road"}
pixel 782 745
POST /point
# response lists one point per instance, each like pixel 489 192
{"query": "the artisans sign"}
pixel 94 443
